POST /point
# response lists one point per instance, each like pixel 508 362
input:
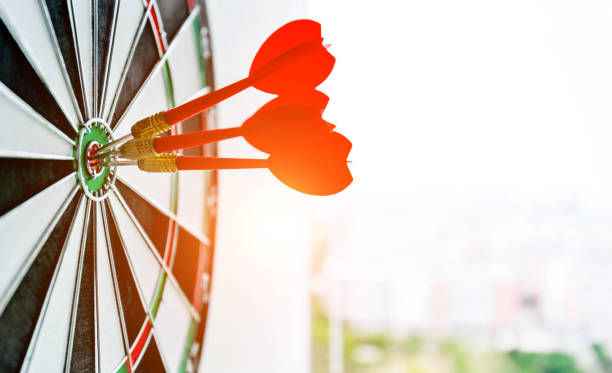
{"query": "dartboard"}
pixel 101 269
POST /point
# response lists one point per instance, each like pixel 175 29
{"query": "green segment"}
pixel 123 368
pixel 201 63
pixel 190 336
pixel 158 294
pixel 97 133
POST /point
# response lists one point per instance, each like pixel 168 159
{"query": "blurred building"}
pixel 535 279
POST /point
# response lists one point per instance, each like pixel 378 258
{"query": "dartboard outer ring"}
pixel 87 250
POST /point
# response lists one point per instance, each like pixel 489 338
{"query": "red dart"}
pixel 279 123
pixel 321 171
pixel 291 60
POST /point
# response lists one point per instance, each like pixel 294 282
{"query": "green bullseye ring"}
pixel 99 184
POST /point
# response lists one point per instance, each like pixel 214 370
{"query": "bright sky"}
pixel 443 101
pixel 461 98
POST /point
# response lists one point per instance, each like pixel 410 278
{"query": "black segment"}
pixel 17 74
pixel 84 340
pixel 105 14
pixel 186 261
pixel 193 124
pixel 152 220
pixel 23 178
pixel 133 312
pixel 151 361
pixel 207 44
pixel 145 57
pixel 21 313
pixel 173 14
pixel 60 18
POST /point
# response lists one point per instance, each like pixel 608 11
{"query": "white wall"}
pixel 260 314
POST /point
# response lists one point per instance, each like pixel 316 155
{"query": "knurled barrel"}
pixel 162 163
pixel 150 126
pixel 138 148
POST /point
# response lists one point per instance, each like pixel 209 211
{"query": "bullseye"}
pixel 95 178
pixel 93 165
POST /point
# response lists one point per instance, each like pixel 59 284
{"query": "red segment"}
pixel 170 242
pixel 94 164
pixel 139 345
pixel 156 27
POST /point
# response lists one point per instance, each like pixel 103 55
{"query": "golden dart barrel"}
pixel 138 148
pixel 162 163
pixel 150 126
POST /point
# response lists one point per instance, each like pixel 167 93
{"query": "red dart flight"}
pixel 317 167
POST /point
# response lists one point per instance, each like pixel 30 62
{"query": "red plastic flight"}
pixel 317 168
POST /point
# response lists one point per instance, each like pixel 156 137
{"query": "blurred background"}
pixel 476 236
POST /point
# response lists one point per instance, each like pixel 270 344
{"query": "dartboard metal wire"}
pixel 101 269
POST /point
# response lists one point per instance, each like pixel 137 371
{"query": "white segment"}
pixel 142 261
pixel 47 353
pixel 150 99
pixel 22 230
pixel 27 133
pixel 110 340
pixel 172 325
pixel 82 14
pixel 130 12
pixel 155 186
pixel 192 200
pixel 26 21
pixel 184 64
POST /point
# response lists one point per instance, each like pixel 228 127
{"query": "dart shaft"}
pixel 167 144
pixel 172 163
pixel 114 143
pixel 211 163
pixel 202 103
pixel 119 163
